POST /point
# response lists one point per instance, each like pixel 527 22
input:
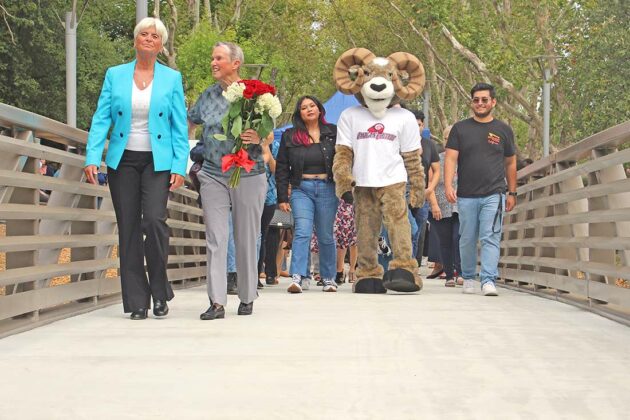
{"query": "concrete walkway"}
pixel 437 354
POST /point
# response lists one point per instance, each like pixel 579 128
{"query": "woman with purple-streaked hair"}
pixel 305 162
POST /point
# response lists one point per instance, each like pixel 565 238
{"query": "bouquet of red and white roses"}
pixel 253 104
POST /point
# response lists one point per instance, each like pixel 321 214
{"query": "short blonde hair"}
pixel 149 22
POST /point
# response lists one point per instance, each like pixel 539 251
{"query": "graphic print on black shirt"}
pixel 482 149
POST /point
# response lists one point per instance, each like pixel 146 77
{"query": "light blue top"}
pixel 272 194
pixel 167 119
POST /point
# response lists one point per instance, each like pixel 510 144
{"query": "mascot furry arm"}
pixel 415 174
pixel 342 173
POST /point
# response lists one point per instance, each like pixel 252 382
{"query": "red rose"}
pixel 256 88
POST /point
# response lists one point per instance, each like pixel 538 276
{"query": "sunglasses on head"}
pixel 484 100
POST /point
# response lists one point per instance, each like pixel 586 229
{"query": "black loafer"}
pixel 213 312
pixel 160 308
pixel 139 314
pixel 246 308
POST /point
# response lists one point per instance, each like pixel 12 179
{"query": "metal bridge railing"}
pixel 569 235
pixel 57 256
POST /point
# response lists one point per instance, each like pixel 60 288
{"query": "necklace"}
pixel 143 80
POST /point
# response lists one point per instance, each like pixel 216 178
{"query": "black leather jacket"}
pixel 290 160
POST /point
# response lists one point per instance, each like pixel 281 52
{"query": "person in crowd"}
pixel 346 237
pixel 431 165
pixel 444 222
pixel 432 252
pixel 246 201
pixel 268 238
pixel 305 161
pixel 483 151
pixel 46 168
pixel 313 262
pixel 146 158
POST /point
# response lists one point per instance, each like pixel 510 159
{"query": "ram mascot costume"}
pixel 377 155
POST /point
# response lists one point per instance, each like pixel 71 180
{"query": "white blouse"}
pixel 139 138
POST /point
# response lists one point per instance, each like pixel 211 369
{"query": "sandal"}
pixel 351 277
pixel 436 273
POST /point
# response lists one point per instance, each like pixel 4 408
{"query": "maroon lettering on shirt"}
pixel 377 132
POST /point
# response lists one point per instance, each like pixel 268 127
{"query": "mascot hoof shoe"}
pixel 400 280
pixel 369 285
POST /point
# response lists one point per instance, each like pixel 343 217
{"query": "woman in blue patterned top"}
pixel 245 201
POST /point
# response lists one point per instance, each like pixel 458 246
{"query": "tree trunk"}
pixel 171 54
pixel 531 117
pixel 436 88
pixel 206 5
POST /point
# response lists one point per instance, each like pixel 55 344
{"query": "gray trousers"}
pixel 246 203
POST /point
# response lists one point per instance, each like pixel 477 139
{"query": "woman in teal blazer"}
pixel 142 102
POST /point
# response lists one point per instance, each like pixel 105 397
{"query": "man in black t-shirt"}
pixel 483 150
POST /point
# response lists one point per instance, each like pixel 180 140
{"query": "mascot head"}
pixel 379 82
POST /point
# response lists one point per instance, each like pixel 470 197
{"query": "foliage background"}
pixel 460 42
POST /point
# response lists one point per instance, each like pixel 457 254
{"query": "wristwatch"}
pixel 512 193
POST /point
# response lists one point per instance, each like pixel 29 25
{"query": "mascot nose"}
pixel 378 88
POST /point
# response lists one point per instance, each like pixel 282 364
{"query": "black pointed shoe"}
pixel 245 308
pixel 139 314
pixel 160 308
pixel 213 312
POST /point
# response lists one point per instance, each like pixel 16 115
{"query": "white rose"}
pixel 275 108
pixel 234 92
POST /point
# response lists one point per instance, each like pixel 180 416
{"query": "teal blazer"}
pixel 167 119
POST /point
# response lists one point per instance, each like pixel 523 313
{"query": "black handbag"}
pixel 281 220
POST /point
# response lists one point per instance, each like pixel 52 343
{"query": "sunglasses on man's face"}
pixel 483 100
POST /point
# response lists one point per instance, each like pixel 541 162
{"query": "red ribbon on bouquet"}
pixel 239 159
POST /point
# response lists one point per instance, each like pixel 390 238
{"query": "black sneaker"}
pixel 340 279
pixel 383 248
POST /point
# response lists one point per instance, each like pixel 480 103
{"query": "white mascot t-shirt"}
pixel 377 144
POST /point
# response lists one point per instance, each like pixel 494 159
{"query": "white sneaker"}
pixel 469 287
pixel 295 287
pixel 329 285
pixel 488 289
pixel 306 283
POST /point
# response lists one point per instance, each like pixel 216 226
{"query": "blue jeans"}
pixel 384 260
pixel 421 216
pixel 231 255
pixel 480 219
pixel 314 203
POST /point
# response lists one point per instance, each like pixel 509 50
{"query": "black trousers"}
pixel 447 232
pixel 268 243
pixel 139 195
